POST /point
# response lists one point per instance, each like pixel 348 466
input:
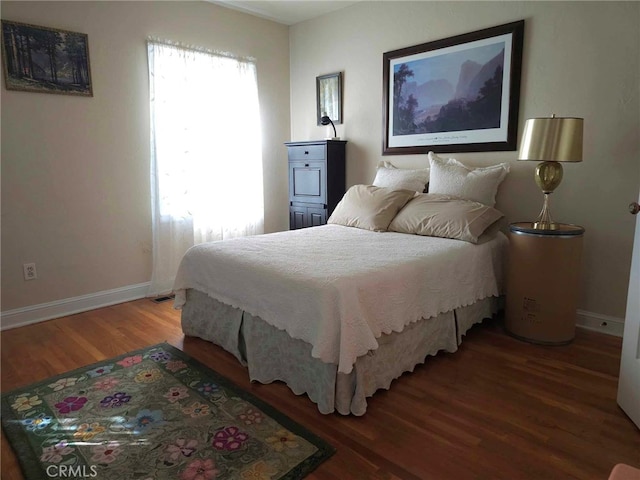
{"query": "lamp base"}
pixel 549 175
pixel 332 138
pixel 544 221
pixel 545 226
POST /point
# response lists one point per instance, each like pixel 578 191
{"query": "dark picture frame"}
pixel 45 60
pixel 458 94
pixel 329 97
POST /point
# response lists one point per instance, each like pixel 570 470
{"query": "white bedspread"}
pixel 339 288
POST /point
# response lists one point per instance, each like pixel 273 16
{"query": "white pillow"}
pixel 389 176
pixel 450 177
pixel 369 207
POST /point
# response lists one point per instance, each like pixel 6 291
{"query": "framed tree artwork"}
pixel 329 97
pixel 45 60
pixel 459 94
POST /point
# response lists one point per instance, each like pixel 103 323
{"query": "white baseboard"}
pixel 69 306
pixel 600 323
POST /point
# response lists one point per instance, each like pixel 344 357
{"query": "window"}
pixel 206 155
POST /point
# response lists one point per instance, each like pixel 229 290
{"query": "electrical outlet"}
pixel 30 272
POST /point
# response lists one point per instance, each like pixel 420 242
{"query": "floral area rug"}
pixel 153 414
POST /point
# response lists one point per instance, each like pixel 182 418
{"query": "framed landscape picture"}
pixel 45 60
pixel 459 94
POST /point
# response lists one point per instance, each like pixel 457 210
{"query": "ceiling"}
pixel 287 12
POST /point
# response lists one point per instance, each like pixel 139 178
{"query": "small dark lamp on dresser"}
pixel 316 181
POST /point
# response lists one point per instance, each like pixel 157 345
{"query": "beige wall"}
pixel 580 59
pixel 75 170
pixel 75 194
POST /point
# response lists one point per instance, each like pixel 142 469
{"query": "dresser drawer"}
pixel 307 182
pixel 307 152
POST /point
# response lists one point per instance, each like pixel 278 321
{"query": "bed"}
pixel 341 310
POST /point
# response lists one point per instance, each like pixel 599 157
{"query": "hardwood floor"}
pixel 496 409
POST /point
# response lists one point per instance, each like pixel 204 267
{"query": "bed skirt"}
pixel 271 354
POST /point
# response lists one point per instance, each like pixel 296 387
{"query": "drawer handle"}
pixel 306 164
pixel 306 152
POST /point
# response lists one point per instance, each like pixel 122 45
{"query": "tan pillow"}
pixel 444 216
pixel 369 207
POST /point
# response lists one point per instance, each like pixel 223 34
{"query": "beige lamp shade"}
pixel 552 139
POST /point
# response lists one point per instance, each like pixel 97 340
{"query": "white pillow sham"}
pixel 389 176
pixel 369 207
pixel 450 177
pixel 437 215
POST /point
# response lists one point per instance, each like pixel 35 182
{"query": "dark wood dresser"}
pixel 316 181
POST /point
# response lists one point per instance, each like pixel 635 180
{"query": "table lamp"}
pixel 550 140
pixel 326 121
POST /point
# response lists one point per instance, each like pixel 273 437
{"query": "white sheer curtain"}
pixel 206 155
